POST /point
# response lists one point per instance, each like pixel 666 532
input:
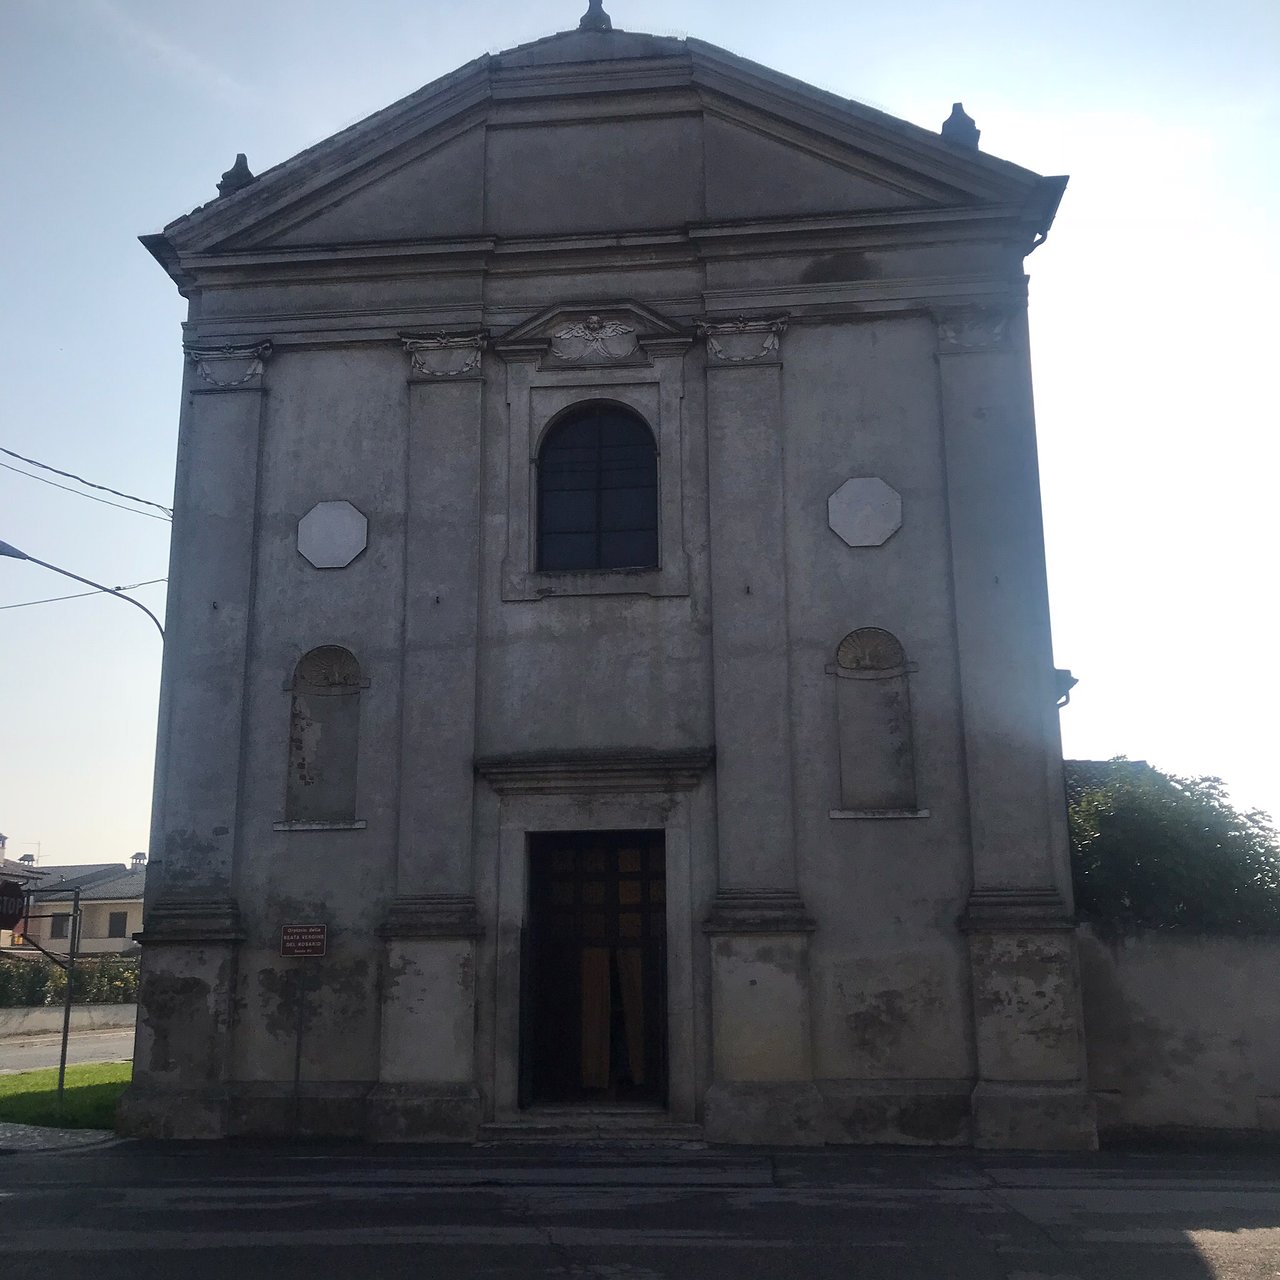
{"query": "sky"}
pixel 1152 312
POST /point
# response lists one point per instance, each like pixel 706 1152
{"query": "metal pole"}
pixel 297 1054
pixel 73 941
pixel 11 551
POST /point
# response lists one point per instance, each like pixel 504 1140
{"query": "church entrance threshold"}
pixel 594 1007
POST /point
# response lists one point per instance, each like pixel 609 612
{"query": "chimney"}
pixel 28 859
pixel 138 861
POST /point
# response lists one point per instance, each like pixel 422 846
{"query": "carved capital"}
pixel 190 920
pixel 758 911
pixel 972 329
pixel 1015 910
pixel 437 915
pixel 230 367
pixel 445 355
pixel 743 341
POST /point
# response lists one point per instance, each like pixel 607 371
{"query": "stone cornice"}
pixel 1000 910
pixel 437 915
pixel 565 773
pixel 758 911
pixel 192 921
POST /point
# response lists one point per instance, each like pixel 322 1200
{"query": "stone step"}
pixel 592 1127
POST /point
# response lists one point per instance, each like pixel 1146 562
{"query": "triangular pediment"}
pixel 597 133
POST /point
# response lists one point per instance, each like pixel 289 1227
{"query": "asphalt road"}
pixel 144 1212
pixel 30 1053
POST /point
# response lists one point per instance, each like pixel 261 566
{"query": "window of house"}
pixel 59 925
pixel 598 492
pixel 117 924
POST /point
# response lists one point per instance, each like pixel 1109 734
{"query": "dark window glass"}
pixel 598 492
pixel 58 925
pixel 117 923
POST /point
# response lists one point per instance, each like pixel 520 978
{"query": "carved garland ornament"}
pixel 973 329
pixel 446 356
pixel 726 341
pixel 218 365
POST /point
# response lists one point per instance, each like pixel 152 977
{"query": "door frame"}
pixel 675 812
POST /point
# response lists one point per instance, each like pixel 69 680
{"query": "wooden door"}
pixel 596 1026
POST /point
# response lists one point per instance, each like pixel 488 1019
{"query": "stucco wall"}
pixel 47 1019
pixel 1182 1032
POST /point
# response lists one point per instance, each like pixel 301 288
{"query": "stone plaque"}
pixel 332 534
pixel 865 512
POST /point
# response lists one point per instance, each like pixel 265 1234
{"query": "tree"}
pixel 1165 852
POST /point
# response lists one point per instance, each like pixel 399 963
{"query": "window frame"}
pixel 539 398
pixel 60 925
pixel 123 917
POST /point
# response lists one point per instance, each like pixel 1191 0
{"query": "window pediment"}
pixel 595 335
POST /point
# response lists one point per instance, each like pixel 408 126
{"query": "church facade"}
pixel 608 678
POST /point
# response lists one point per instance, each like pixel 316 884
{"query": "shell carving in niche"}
pixel 330 667
pixel 870 649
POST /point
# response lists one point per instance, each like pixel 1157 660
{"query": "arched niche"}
pixel 873 710
pixel 324 737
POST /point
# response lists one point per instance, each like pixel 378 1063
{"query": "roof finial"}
pixel 595 18
pixel 960 129
pixel 236 177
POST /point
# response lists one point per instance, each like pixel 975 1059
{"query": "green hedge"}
pixel 26 983
pixel 1155 851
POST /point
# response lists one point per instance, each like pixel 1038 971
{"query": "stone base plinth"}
pixel 774 1114
pixel 145 1112
pixel 896 1113
pixel 423 1113
pixel 1017 1117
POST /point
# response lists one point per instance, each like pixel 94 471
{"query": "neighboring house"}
pixel 1085 775
pixel 608 595
pixel 110 906
pixel 21 872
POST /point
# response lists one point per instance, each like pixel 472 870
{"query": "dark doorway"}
pixel 595 974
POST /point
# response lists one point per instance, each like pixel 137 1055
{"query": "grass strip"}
pixel 89 1101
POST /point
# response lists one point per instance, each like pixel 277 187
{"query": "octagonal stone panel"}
pixel 865 512
pixel 332 534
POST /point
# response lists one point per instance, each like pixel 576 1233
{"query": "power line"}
pixel 92 497
pixel 71 475
pixel 79 595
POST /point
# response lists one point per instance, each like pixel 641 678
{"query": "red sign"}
pixel 307 940
pixel 12 903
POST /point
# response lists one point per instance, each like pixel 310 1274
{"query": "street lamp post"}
pixel 14 554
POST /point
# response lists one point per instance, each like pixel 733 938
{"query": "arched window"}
pixel 324 737
pixel 598 492
pixel 873 709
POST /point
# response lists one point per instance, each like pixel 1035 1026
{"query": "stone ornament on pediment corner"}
pixel 744 341
pixel 973 329
pixel 445 355
pixel 228 367
pixel 595 340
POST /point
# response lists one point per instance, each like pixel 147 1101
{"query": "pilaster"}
pixel 427 1054
pixel 191 926
pixel 1028 1027
pixel 758 927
